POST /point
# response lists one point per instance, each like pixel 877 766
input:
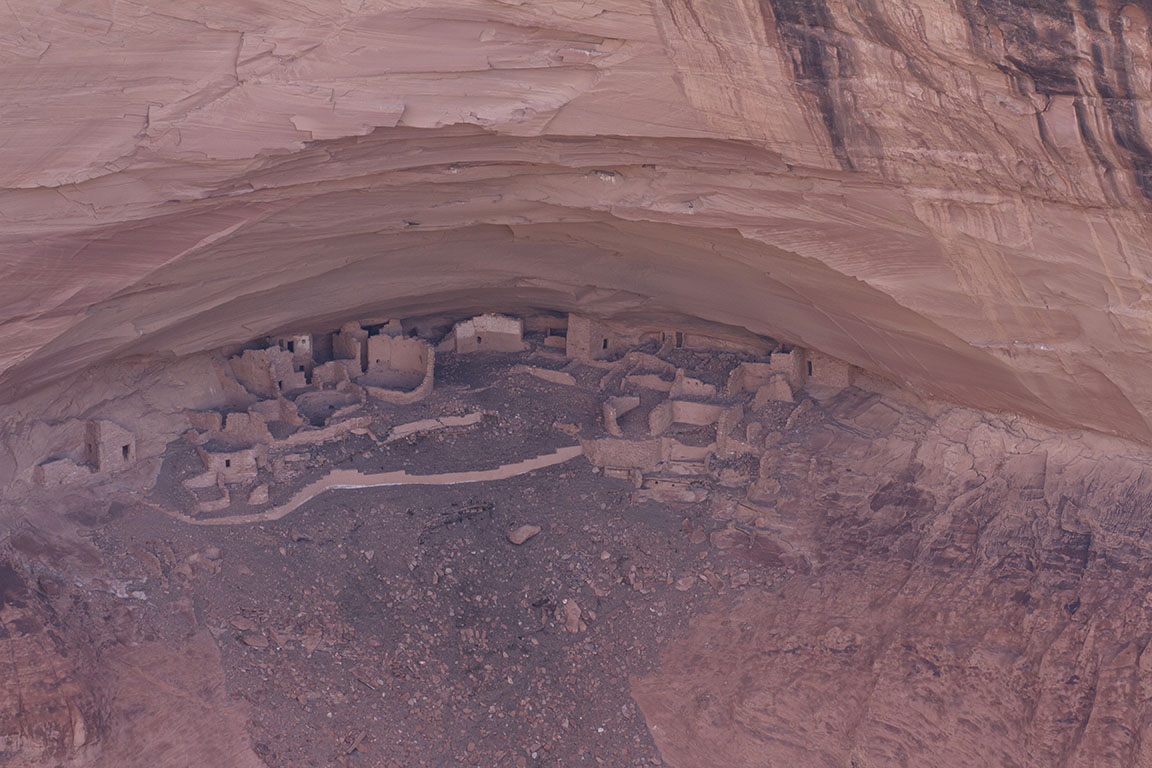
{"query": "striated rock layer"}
pixel 953 195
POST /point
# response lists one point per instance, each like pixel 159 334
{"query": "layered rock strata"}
pixel 955 196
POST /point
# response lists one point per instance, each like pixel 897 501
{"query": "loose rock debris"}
pixel 445 597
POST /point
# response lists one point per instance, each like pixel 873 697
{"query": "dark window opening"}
pixel 479 339
pixel 125 451
pixel 679 338
pixel 809 367
pixel 291 346
pixel 414 333
pixel 280 384
pixel 227 462
pixel 604 345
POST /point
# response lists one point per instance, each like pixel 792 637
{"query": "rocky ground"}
pixel 405 626
pixel 894 582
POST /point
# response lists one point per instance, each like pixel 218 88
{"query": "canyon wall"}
pixel 952 195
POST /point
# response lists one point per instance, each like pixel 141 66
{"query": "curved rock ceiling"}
pixel 953 195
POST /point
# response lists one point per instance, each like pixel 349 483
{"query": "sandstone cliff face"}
pixel 966 591
pixel 954 195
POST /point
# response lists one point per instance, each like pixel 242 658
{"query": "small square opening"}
pixel 227 462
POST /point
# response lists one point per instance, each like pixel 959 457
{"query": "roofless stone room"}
pixel 553 384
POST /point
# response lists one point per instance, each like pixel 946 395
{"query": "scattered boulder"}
pixel 730 538
pixel 254 640
pixel 569 613
pixel 522 533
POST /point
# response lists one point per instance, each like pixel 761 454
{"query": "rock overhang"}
pixel 956 223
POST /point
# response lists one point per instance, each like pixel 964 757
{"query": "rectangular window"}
pixel 125 451
pixel 291 346
pixel 809 367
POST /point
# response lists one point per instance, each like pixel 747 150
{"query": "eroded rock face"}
pixel 85 685
pixel 981 601
pixel 952 195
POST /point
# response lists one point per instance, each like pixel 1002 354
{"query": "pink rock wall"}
pixel 955 196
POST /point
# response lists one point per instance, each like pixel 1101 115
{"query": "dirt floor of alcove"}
pixel 401 627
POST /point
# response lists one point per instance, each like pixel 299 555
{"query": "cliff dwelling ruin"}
pixel 504 538
pixel 549 384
